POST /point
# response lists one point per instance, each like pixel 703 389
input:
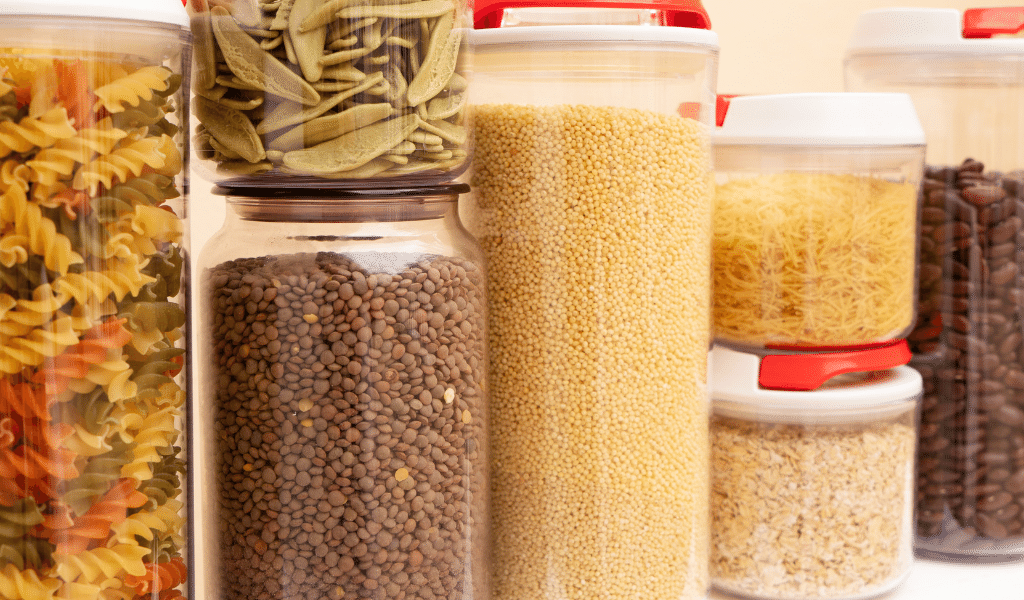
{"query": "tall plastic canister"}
pixel 93 302
pixel 592 200
pixel 967 83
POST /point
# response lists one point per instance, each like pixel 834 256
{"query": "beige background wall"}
pixel 768 46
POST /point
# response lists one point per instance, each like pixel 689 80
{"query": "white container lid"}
pixel 822 119
pixel 593 34
pixel 922 30
pixel 735 392
pixel 170 12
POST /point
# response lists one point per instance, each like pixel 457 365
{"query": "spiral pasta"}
pixel 32 132
pixel 133 88
pixel 91 330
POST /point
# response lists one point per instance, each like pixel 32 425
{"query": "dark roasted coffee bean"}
pixel 968 344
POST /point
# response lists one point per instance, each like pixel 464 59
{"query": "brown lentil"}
pixel 597 224
pixel 323 493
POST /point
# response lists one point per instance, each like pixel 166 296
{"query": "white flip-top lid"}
pixel 736 391
pixel 922 30
pixel 170 12
pixel 822 119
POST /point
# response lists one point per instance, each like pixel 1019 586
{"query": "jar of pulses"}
pixel 965 73
pixel 330 93
pixel 93 306
pixel 812 472
pixel 344 408
pixel 816 219
pixel 593 202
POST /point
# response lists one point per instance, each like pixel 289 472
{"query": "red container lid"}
pixel 677 13
pixel 808 371
pixel 980 23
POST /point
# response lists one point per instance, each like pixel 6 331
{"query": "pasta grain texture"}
pixel 91 328
pixel 814 259
pixel 596 225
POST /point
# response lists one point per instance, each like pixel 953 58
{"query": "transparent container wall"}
pixel 812 506
pixel 968 336
pixel 93 318
pixel 815 245
pixel 320 94
pixel 592 200
pixel 668 79
pixel 344 414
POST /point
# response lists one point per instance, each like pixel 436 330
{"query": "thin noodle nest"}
pixel 813 259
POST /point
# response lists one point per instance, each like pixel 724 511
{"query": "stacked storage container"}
pixel 812 430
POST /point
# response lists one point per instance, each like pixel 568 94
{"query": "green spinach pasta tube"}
pixel 91 329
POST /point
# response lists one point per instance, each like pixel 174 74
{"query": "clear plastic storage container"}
pixel 812 473
pixel 967 84
pixel 93 307
pixel 816 219
pixel 344 408
pixel 592 200
pixel 322 93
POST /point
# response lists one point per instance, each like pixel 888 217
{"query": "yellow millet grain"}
pixel 597 226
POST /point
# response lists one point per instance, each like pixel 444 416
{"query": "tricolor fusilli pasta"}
pixel 91 330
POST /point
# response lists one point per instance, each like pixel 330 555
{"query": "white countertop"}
pixel 931 580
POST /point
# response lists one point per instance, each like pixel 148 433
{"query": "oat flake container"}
pixel 93 303
pixel 344 415
pixel 329 94
pixel 592 201
pixel 816 219
pixel 967 83
pixel 812 472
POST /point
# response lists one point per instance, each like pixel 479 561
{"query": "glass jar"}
pixel 323 94
pixel 812 481
pixel 344 410
pixel 93 307
pixel 968 88
pixel 592 201
pixel 816 220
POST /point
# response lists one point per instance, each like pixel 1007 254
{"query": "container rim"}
pixel 322 194
pixel 169 12
pixel 594 34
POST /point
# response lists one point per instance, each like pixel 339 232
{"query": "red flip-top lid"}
pixel 808 371
pixel 986 22
pixel 677 13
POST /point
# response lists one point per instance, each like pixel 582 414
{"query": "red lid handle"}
pixel 805 372
pixel 678 13
pixel 986 22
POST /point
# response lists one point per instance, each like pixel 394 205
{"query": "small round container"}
pixel 592 200
pixel 967 83
pixel 815 219
pixel 330 95
pixel 93 299
pixel 812 473
pixel 344 411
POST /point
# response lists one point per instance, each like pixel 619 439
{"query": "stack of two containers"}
pixel 345 445
pixel 342 450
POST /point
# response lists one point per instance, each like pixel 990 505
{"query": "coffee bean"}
pixel 967 343
pixel 326 423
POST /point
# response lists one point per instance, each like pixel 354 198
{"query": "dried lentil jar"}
pixel 596 222
pixel 345 407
